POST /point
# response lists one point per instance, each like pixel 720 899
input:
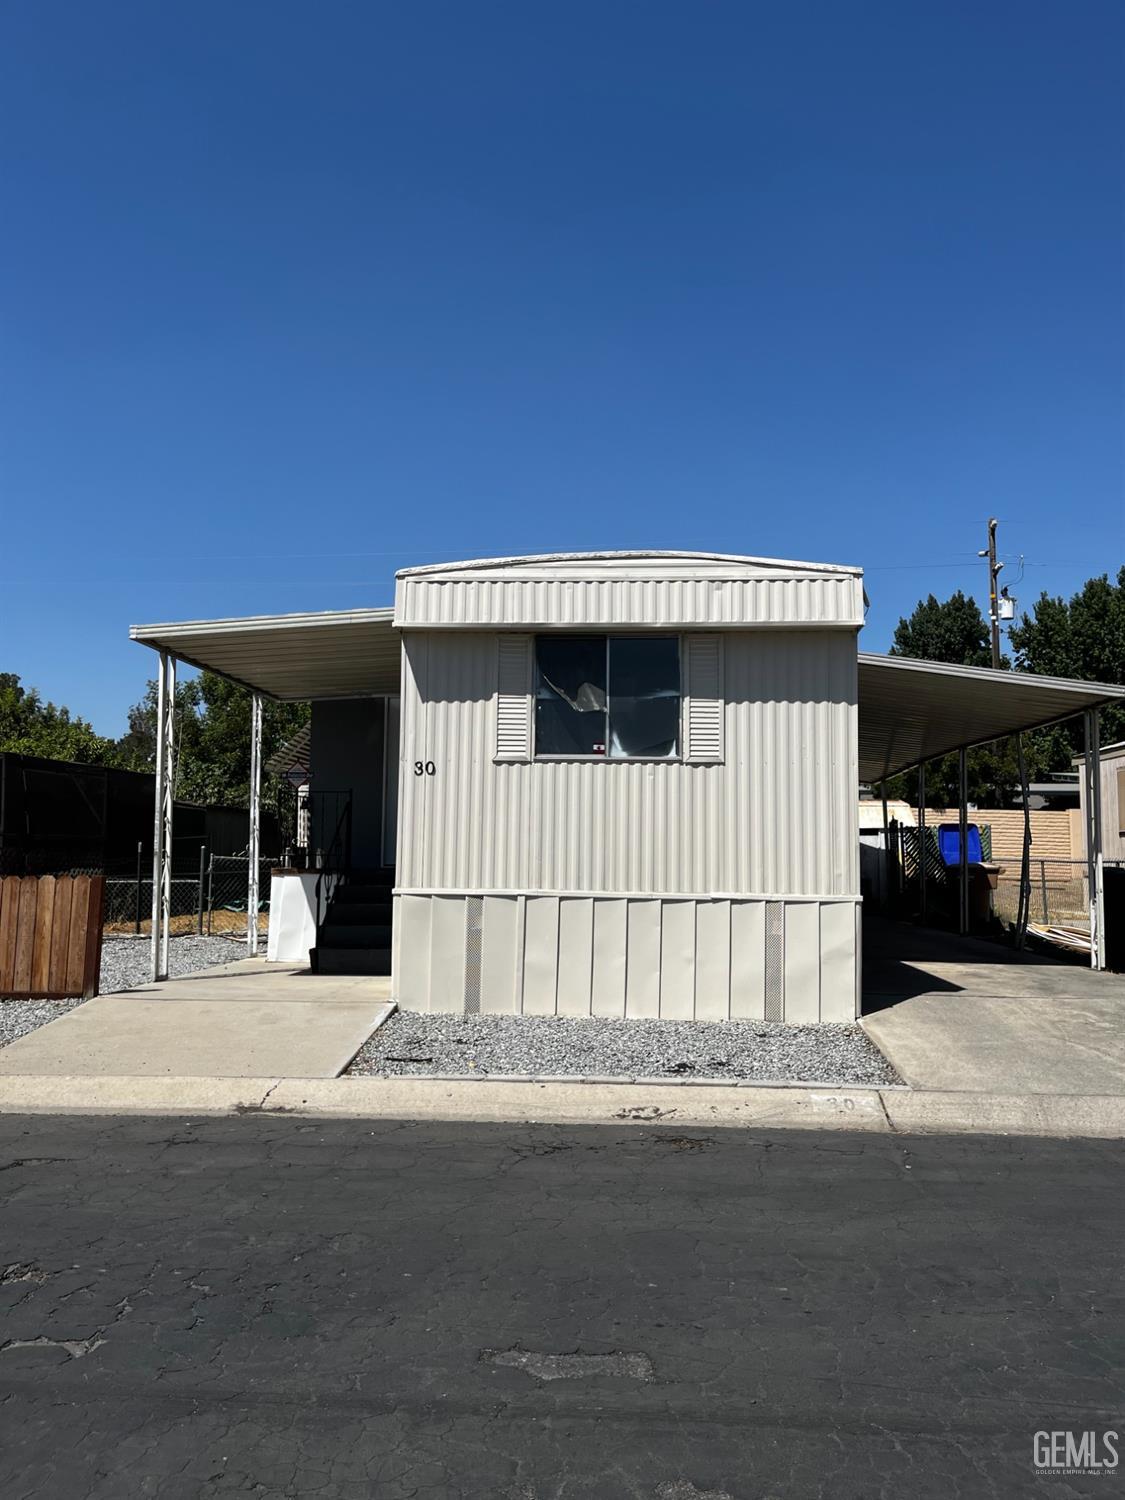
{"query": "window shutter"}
pixel 513 698
pixel 703 701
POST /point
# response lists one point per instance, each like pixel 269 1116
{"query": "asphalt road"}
pixel 269 1306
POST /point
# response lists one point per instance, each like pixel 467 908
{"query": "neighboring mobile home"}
pixel 618 783
pixel 1112 798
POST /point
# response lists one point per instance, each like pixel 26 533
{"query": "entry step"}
pixel 350 960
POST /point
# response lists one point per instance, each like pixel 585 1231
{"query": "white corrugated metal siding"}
pixel 776 817
pixel 510 602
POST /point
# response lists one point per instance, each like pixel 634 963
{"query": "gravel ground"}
pixel 412 1043
pixel 18 1017
pixel 125 961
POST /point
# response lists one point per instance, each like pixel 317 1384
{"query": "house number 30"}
pixel 425 768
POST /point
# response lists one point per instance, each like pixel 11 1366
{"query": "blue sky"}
pixel 294 295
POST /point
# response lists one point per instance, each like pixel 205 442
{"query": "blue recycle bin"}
pixel 949 845
pixel 982 877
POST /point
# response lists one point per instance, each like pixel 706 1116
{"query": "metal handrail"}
pixel 332 863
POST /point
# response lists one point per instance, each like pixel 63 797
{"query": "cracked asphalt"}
pixel 280 1307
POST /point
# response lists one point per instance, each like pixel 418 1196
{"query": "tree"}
pixel 28 726
pixel 954 630
pixel 212 731
pixel 212 734
pixel 136 749
pixel 1082 638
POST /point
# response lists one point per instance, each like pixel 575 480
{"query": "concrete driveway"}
pixel 249 1019
pixel 962 1014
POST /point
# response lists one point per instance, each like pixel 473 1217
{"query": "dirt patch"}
pixel 221 923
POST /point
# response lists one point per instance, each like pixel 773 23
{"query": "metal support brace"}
pixel 922 839
pixel 963 835
pixel 1023 913
pixel 255 846
pixel 162 820
pixel 1092 771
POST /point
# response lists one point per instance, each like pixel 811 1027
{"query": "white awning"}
pixel 910 711
pixel 338 654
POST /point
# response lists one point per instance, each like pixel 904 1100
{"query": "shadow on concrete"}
pixel 899 960
pixel 892 981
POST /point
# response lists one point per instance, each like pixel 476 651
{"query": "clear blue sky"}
pixel 296 294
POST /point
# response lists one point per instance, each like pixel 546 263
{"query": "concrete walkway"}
pixel 239 1020
pixel 960 1014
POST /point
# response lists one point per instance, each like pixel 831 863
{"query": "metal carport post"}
pixel 922 837
pixel 162 819
pixel 1092 771
pixel 254 848
pixel 963 840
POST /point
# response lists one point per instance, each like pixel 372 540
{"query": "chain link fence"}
pixel 1059 889
pixel 214 900
pixel 1060 894
pixel 228 894
pixel 128 904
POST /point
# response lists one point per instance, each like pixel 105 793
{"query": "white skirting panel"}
pixel 681 958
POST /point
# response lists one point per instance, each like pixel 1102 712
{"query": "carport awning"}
pixel 337 654
pixel 911 711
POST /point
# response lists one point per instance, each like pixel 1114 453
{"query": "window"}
pixel 617 696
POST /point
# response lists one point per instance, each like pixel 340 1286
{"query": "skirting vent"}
pixel 775 961
pixel 474 915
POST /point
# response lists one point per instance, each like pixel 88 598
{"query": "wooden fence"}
pixel 50 936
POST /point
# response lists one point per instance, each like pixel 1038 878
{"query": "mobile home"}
pixel 614 783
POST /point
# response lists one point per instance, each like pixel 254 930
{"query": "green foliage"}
pixel 1083 638
pixel 954 630
pixel 212 736
pixel 212 739
pixel 28 726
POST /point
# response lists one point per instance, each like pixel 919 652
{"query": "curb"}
pixel 646 1080
pixel 884 1111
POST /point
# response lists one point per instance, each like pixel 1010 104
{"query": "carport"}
pixel 294 658
pixel 911 712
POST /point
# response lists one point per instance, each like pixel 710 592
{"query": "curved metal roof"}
pixel 669 560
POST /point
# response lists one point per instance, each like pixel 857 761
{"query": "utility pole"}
pixel 993 572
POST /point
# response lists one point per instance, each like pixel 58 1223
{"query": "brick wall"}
pixel 1054 834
